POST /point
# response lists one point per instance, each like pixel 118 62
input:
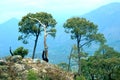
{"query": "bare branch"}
pixel 11 51
pixel 38 21
pixel 85 43
pixel 50 32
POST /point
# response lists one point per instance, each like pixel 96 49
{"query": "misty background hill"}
pixel 108 20
pixel 106 17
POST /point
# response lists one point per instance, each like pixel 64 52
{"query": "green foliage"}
pixel 33 24
pixel 85 32
pixel 46 78
pixel 83 29
pixel 63 66
pixel 52 32
pixel 104 65
pixel 108 52
pixel 30 26
pixel 79 26
pixel 80 78
pixel 21 51
pixel 32 75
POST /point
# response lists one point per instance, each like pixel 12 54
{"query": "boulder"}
pixel 2 62
pixel 16 58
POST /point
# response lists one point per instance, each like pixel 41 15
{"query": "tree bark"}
pixel 11 51
pixel 45 36
pixel 70 60
pixel 79 56
pixel 92 77
pixel 34 49
pixel 109 76
pixel 45 44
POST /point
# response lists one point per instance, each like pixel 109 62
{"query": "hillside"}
pixel 16 68
pixel 107 18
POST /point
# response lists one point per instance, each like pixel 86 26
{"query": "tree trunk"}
pixel 34 49
pixel 70 60
pixel 109 76
pixel 11 52
pixel 92 77
pixel 45 47
pixel 45 44
pixel 79 56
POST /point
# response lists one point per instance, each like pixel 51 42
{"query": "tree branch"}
pixel 11 51
pixel 38 21
pixel 85 43
pixel 50 32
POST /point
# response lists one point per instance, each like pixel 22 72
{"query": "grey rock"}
pixel 16 58
pixel 2 62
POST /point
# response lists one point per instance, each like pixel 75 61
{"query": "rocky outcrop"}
pixel 16 68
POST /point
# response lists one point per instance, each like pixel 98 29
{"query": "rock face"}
pixel 28 69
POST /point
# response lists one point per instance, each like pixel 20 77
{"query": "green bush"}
pixel 21 51
pixel 80 78
pixel 46 77
pixel 32 75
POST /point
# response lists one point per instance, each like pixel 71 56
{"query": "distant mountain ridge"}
pixel 108 20
pixel 106 17
pixel 8 33
pixel 105 14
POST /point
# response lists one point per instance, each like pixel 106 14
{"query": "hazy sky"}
pixel 58 8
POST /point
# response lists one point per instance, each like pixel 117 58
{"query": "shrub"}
pixel 21 51
pixel 80 78
pixel 46 77
pixel 32 75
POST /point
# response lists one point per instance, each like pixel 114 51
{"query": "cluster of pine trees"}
pixel 103 65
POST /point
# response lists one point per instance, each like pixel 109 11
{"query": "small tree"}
pixel 84 32
pixel 72 56
pixel 48 24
